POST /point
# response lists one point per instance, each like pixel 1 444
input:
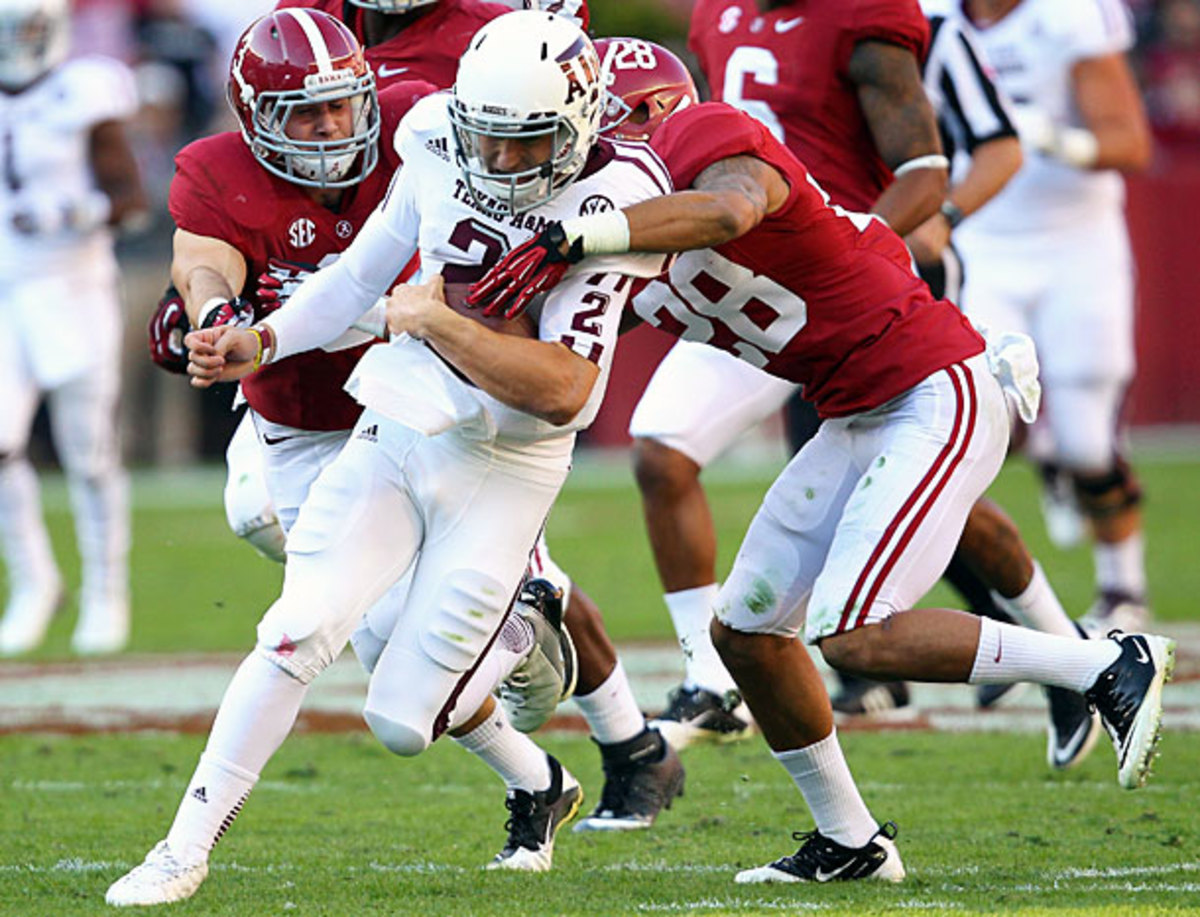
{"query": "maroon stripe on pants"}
pixel 911 531
pixel 894 525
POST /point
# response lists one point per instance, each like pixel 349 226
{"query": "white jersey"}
pixel 1032 50
pixel 430 208
pixel 44 162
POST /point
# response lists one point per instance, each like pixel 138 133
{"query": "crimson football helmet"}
pixel 526 75
pixel 291 59
pixel 34 38
pixel 646 84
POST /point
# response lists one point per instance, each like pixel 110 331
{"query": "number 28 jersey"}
pixel 814 294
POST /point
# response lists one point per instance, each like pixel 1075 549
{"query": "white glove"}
pixel 1012 360
pixel 1075 146
pixel 43 215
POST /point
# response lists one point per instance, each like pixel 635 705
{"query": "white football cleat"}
pixel 159 879
pixel 103 627
pixel 27 617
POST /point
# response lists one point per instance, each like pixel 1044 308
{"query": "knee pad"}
pixel 470 604
pixel 1109 493
pixel 265 535
pixel 398 738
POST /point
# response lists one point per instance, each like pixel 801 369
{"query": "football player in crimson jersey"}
pixel 862 521
pixel 839 83
pixel 69 180
pixel 648 84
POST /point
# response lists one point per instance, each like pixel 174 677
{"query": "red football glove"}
pixel 278 283
pixel 528 270
pixel 168 325
pixel 234 311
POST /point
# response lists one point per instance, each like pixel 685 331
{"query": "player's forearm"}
pixel 677 222
pixel 335 297
pixel 912 199
pixel 993 163
pixel 541 378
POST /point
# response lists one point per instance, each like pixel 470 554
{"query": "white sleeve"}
pixel 1100 27
pixel 335 297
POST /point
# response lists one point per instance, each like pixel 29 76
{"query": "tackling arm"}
pixel 902 122
pixel 203 269
pixel 727 200
pixel 543 378
pixel 116 173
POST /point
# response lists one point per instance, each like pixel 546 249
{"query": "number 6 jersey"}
pixel 814 294
pixel 788 68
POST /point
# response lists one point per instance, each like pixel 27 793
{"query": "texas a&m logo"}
pixel 582 70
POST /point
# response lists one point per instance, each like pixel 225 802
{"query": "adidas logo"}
pixel 439 147
pixel 370 434
pixel 199 794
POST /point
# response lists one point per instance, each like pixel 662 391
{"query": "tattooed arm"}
pixel 727 200
pixel 902 122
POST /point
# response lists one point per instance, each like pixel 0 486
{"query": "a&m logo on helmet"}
pixel 582 70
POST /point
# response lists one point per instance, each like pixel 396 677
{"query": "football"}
pixel 456 298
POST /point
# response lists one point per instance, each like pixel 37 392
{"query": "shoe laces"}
pixel 522 832
pixel 815 849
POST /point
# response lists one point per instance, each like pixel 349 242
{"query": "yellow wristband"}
pixel 259 355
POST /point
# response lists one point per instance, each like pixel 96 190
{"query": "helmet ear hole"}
pixel 646 84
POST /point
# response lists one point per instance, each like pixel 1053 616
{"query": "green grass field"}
pixel 339 827
pixel 198 589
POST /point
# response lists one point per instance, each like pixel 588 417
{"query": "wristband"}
pixel 932 161
pixel 952 212
pixel 1076 146
pixel 602 233
pixel 215 303
pixel 266 345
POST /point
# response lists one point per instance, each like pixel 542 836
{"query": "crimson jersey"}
pixel 814 294
pixel 222 192
pixel 428 49
pixel 789 68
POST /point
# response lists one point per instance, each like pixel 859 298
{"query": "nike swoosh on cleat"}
pixel 1143 656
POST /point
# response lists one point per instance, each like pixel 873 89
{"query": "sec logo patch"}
pixel 302 233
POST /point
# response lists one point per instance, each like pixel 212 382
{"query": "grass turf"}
pixel 339 827
pixel 196 588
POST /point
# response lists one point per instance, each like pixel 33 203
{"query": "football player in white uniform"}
pixel 449 476
pixel 68 179
pixel 1050 256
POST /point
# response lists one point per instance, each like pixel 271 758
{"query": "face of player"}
pixel 332 120
pixel 508 155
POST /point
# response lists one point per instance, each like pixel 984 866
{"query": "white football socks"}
pixel 256 715
pixel 821 774
pixel 611 710
pixel 1007 653
pixel 691 613
pixel 1038 606
pixel 511 754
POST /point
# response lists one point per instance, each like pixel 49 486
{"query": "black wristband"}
pixel 953 213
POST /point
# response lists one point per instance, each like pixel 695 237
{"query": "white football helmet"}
pixel 34 38
pixel 392 6
pixel 525 75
